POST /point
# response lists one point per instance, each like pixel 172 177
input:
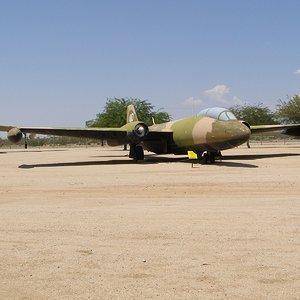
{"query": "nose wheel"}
pixel 210 157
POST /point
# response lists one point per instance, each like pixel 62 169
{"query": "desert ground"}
pixel 88 223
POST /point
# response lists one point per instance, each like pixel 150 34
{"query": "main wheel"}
pixel 139 153
pixel 136 152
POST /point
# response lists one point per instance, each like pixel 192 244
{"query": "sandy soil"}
pixel 88 223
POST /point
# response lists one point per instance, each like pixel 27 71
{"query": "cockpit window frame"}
pixel 218 113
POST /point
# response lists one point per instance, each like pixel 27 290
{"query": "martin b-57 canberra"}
pixel 207 134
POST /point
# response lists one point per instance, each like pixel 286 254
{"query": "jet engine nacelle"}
pixel 139 132
pixel 14 135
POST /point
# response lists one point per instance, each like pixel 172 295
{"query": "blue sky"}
pixel 61 60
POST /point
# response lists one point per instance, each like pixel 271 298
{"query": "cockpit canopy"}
pixel 218 113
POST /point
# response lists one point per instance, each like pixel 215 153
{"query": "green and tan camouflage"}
pixel 210 132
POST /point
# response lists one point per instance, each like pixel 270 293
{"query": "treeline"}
pixel 286 112
pixel 113 114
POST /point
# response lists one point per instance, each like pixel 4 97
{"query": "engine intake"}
pixel 139 132
pixel 246 124
pixel 14 135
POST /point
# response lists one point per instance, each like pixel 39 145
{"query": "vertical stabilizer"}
pixel 131 114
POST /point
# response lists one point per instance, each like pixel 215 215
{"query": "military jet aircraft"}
pixel 207 134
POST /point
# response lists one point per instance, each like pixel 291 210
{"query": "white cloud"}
pixel 218 91
pixel 191 101
pixel 219 95
pixel 297 72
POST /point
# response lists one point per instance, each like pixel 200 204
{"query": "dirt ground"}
pixel 88 223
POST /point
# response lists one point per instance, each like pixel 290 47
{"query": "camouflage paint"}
pixel 198 133
pixel 203 133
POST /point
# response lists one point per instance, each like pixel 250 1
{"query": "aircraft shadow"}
pixel 221 163
pixel 32 151
pixel 149 160
pixel 234 165
pixel 257 156
pixel 196 163
pixel 84 163
pixel 153 159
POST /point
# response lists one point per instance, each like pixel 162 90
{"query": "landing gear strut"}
pixel 136 152
pixel 26 141
pixel 210 157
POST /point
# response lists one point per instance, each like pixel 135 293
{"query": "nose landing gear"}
pixel 210 157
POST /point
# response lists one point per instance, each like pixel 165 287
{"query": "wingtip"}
pixel 5 128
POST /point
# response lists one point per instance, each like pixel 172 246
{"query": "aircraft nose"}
pixel 240 134
pixel 228 134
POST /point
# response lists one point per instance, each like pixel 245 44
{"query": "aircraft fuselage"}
pixel 199 134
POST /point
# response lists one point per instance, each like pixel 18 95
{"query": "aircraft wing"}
pixel 92 133
pixel 291 129
pixel 158 135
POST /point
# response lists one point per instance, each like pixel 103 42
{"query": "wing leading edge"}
pixel 290 129
pixel 92 133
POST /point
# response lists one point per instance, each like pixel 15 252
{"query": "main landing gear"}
pixel 136 152
pixel 26 141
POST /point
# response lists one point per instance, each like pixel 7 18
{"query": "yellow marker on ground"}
pixel 192 155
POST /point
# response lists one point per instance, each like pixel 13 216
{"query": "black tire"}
pixel 205 158
pixel 212 157
pixel 139 153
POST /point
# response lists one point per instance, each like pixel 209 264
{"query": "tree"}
pixel 114 113
pixel 289 111
pixel 254 114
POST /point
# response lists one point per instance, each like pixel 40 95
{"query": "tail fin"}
pixel 131 114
